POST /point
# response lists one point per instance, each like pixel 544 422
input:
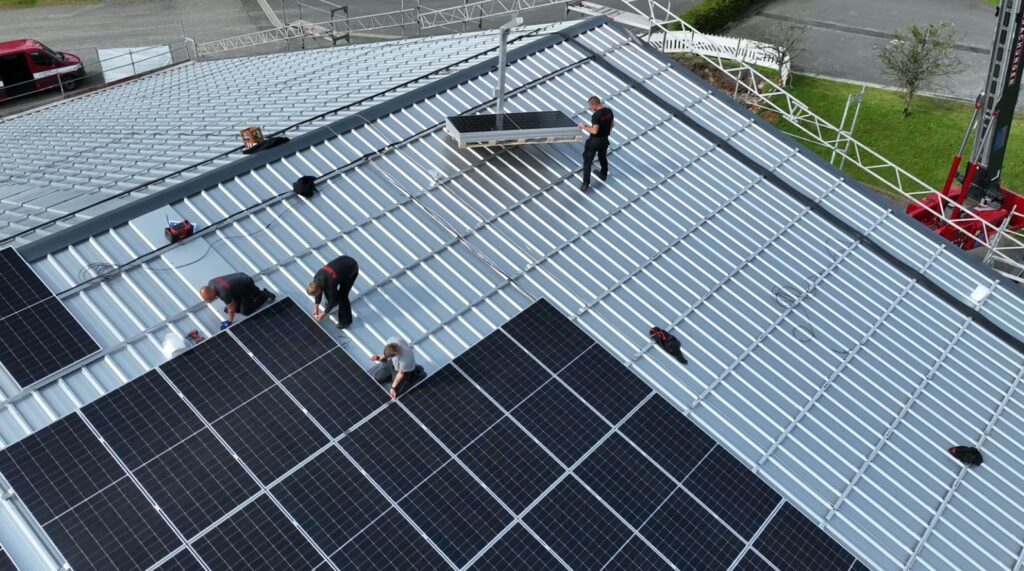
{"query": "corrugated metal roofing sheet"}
pixel 832 345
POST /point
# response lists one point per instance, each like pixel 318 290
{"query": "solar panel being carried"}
pixel 38 335
pixel 585 467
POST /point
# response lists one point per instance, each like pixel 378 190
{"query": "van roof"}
pixel 17 46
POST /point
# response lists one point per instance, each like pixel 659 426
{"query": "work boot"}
pixel 584 187
pixel 603 176
pixel 342 325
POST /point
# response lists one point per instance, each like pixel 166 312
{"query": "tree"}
pixel 918 57
pixel 784 41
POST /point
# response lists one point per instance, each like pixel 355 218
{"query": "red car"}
pixel 28 65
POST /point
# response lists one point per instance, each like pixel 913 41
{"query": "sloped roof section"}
pixel 109 147
pixel 835 346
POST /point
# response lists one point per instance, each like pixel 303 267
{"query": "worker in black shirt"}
pixel 600 128
pixel 239 294
pixel 335 281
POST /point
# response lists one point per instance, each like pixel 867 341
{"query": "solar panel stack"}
pixel 268 447
pixel 38 335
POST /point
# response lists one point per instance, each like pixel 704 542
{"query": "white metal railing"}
pixel 750 52
pixel 1003 249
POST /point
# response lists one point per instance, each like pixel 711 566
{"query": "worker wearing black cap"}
pixel 599 129
pixel 335 281
pixel 239 294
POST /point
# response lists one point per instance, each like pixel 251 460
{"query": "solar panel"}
pixel 282 339
pixel 217 376
pixel 791 541
pixel 511 464
pixel 733 492
pixel 690 536
pixel 20 287
pixel 182 561
pixel 667 436
pixel 390 543
pixel 41 340
pixel 518 550
pixel 577 526
pixel 259 536
pixel 456 512
pixel 395 451
pixel 512 121
pixel 502 369
pixel 270 434
pixel 331 499
pixel 336 391
pixel 6 564
pixel 753 562
pixel 548 335
pixel 142 419
pixel 196 482
pixel 605 383
pixel 116 528
pixel 637 555
pixel 561 422
pixel 452 408
pixel 58 467
pixel 629 482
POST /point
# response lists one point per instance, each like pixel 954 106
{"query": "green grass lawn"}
pixel 924 143
pixel 30 3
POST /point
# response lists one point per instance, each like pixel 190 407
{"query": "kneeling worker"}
pixel 239 294
pixel 335 281
pixel 396 364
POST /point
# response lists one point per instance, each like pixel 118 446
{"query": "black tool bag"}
pixel 967 454
pixel 668 342
pixel 305 186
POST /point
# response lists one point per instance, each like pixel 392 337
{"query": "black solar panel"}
pixel 331 499
pixel 690 536
pixel 629 482
pixel 791 541
pixel 41 340
pixel 114 529
pixel 336 391
pixel 182 561
pixel 548 335
pixel 259 536
pixel 196 482
pixel 660 430
pixel 511 464
pixel 217 376
pixel 753 562
pixel 561 422
pixel 733 492
pixel 6 564
pixel 512 121
pixel 451 407
pixel 577 526
pixel 395 451
pixel 518 550
pixel 58 467
pixel 390 543
pixel 270 434
pixel 20 287
pixel 142 419
pixel 282 339
pixel 456 512
pixel 502 369
pixel 637 555
pixel 605 383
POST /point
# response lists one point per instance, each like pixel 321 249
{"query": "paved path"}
pixel 842 35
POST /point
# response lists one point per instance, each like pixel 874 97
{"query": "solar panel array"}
pixel 512 121
pixel 268 447
pixel 38 335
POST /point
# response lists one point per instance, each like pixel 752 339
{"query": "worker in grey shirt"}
pixel 396 364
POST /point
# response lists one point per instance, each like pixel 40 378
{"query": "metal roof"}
pixel 133 139
pixel 835 346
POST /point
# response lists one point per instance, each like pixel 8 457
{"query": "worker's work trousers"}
pixel 595 146
pixel 344 305
pixel 384 372
pixel 252 301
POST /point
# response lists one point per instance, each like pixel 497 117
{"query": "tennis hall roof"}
pixel 835 347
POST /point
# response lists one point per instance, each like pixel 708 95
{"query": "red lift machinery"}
pixel 990 122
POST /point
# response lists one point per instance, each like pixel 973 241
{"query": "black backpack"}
pixel 668 342
pixel 305 186
pixel 967 454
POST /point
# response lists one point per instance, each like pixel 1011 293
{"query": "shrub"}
pixel 711 16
